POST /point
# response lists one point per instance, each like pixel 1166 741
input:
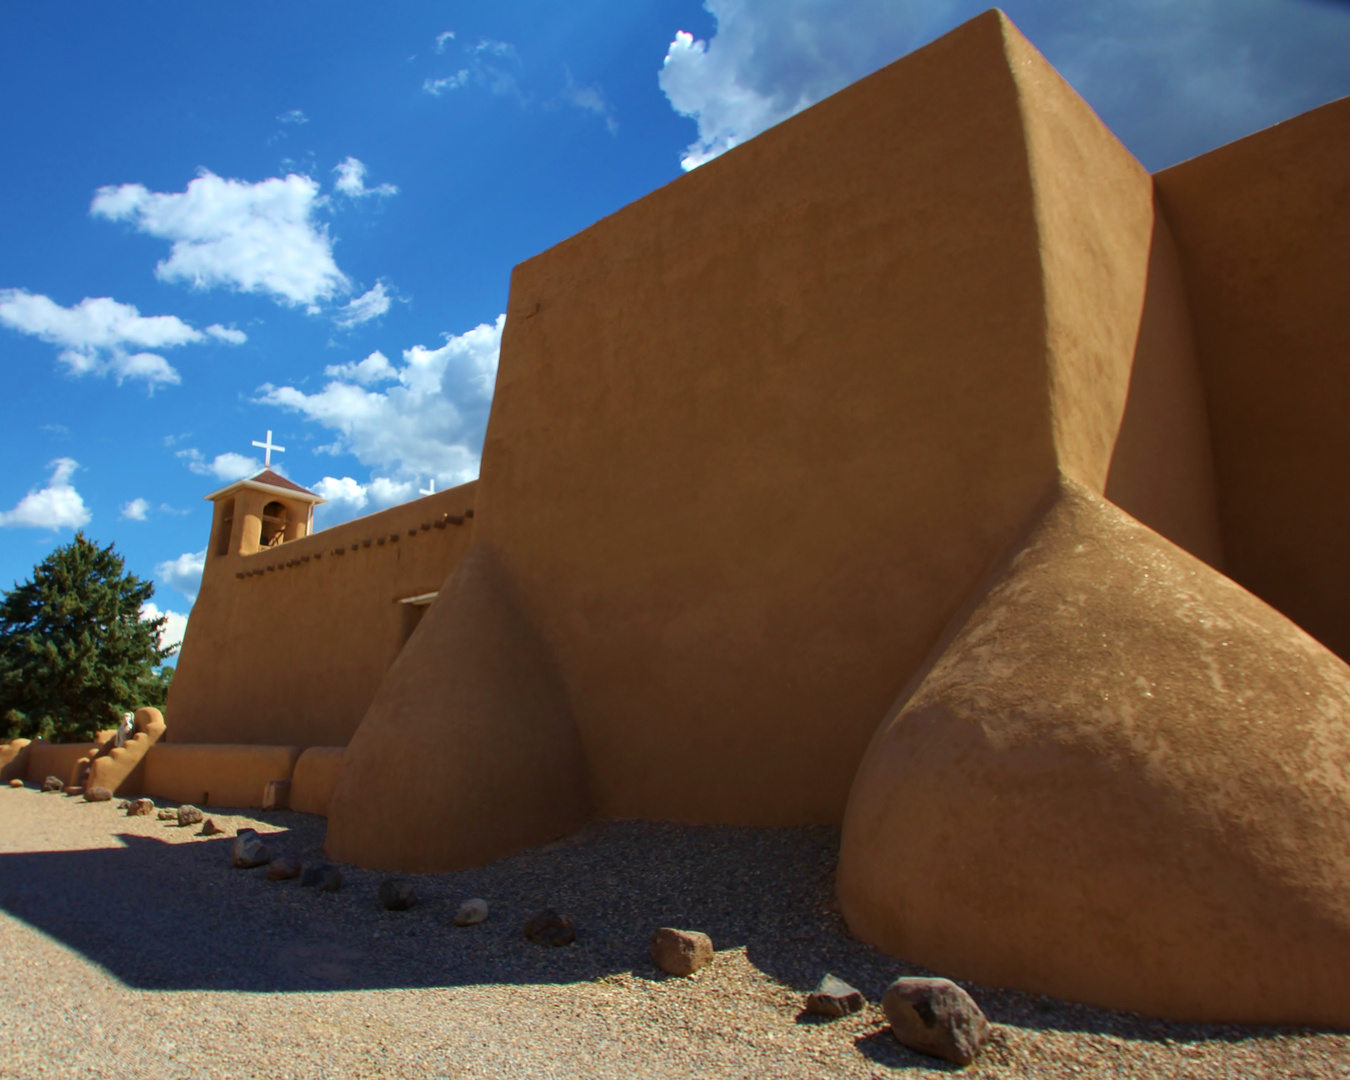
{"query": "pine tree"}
pixel 74 651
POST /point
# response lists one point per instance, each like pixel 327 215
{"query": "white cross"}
pixel 268 446
pixel 430 489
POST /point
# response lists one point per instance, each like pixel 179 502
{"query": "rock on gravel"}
pixel 168 815
pixel 284 868
pixel 140 808
pixel 680 952
pixel 97 794
pixel 325 877
pixel 397 895
pixel 210 828
pixel 189 815
pixel 16 783
pixel 937 1017
pixel 248 851
pixel 547 927
pixel 471 912
pixel 833 997
pixel 53 783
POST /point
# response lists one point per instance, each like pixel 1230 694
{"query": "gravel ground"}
pixel 131 948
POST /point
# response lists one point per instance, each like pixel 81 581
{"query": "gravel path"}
pixel 130 948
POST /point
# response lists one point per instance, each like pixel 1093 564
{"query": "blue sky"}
pixel 224 219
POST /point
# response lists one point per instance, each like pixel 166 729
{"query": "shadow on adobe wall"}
pixel 177 916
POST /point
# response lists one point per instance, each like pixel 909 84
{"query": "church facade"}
pixel 925 467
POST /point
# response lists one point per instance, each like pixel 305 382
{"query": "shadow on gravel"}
pixel 177 916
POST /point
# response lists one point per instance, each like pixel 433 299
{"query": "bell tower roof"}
pixel 273 483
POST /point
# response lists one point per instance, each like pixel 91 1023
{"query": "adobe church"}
pixel 922 466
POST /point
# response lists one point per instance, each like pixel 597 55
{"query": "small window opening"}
pixel 225 529
pixel 274 518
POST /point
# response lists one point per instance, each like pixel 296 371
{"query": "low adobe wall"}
pixel 315 774
pixel 58 759
pixel 14 760
pixel 216 775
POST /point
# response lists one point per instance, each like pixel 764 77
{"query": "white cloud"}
pixel 344 495
pixel 183 573
pixel 437 87
pixel 1172 78
pixel 351 181
pixel 488 62
pixel 429 423
pixel 259 237
pixel 136 510
pixel 369 305
pixel 373 369
pixel 97 336
pixel 171 636
pixel 387 492
pixel 772 58
pixel 293 116
pixel 442 38
pixel 56 506
pixel 489 47
pixel 591 99
pixel 227 334
pixel 348 498
pixel 227 466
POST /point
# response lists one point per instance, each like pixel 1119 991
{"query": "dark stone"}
pixel 547 927
pixel 323 876
pixel 53 783
pixel 680 952
pixel 248 851
pixel 313 875
pixel 210 828
pixel 397 894
pixel 834 998
pixel 97 794
pixel 936 1017
pixel 189 815
pixel 284 868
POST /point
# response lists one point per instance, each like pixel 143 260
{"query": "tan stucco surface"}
pixel 14 760
pixel 293 652
pixel 1125 781
pixel 223 775
pixel 58 759
pixel 1264 235
pixel 121 769
pixel 474 723
pixel 744 530
pixel 768 465
pixel 316 772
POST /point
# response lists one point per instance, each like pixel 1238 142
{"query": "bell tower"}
pixel 263 511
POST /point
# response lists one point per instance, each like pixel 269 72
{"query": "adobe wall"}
pixel 316 772
pixel 14 760
pixel 57 759
pixel 1162 465
pixel 1123 781
pixel 207 775
pixel 288 646
pixel 1264 235
pixel 755 438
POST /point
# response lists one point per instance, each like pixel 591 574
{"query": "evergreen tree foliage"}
pixel 75 653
